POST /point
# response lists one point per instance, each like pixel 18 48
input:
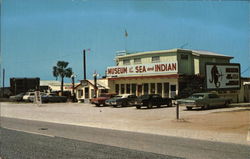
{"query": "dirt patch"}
pixel 236 121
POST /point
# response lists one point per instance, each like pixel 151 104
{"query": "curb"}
pixel 248 136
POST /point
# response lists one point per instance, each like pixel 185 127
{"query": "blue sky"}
pixel 35 34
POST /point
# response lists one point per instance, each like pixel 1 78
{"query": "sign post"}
pixel 37 98
pixel 177 111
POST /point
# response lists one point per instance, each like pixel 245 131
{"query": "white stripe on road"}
pixel 30 132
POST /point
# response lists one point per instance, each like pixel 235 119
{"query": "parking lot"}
pixel 222 124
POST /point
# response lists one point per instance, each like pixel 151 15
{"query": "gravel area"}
pixel 223 124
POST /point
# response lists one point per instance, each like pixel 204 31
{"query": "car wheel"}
pixel 158 106
pixel 123 104
pixel 226 104
pixel 170 104
pixel 97 105
pixel 189 108
pixel 150 105
pixel 138 107
pixel 206 106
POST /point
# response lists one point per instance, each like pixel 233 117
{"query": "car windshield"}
pixel 144 96
pixel 197 96
pixel 104 95
pixel 119 96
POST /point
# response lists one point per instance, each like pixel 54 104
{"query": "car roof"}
pixel 202 93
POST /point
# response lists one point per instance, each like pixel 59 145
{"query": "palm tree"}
pixel 62 71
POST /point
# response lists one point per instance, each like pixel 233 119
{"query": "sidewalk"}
pixel 223 125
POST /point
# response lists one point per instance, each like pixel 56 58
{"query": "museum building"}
pixel 165 72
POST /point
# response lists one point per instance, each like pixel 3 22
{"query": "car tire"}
pixel 226 104
pixel 138 107
pixel 150 105
pixel 97 105
pixel 206 106
pixel 123 104
pixel 189 108
pixel 170 104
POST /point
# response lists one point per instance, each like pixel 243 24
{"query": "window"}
pixel 133 88
pixel 132 96
pixel 152 89
pixel 137 60
pixel 117 88
pixel 213 96
pixel 80 93
pixel 126 62
pixel 184 57
pixel 145 85
pixel 159 88
pixel 156 59
pixel 122 88
pixel 128 88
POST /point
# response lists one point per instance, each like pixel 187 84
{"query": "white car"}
pixel 28 95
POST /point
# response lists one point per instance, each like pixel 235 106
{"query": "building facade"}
pixel 86 89
pixel 165 72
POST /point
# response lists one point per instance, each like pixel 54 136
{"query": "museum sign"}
pixel 153 68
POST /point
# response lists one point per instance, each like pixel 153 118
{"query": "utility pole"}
pixel 3 80
pixel 84 65
pixel 95 83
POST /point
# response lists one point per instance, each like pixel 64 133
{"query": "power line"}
pixel 245 70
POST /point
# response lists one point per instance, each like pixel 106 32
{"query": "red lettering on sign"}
pixel 165 67
pixel 140 69
pixel 119 70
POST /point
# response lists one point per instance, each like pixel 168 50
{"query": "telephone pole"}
pixel 84 64
pixel 3 80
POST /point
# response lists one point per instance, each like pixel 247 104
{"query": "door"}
pixel 139 90
pixel 86 91
pixel 173 91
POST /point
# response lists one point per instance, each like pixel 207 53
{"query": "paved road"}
pixel 19 145
pixel 62 141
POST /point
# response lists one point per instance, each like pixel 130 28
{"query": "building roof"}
pixel 54 83
pixel 101 84
pixel 194 52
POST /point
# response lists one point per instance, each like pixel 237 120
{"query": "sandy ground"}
pixel 223 124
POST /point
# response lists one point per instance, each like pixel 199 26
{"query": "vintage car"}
pixel 150 100
pixel 17 98
pixel 122 100
pixel 28 95
pixel 50 98
pixel 101 99
pixel 204 101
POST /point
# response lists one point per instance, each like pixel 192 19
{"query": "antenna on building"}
pixel 182 46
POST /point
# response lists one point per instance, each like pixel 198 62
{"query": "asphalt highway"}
pixel 34 139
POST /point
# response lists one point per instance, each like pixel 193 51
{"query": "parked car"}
pixel 28 96
pixel 17 98
pixel 101 99
pixel 151 100
pixel 32 97
pixel 204 101
pixel 50 98
pixel 122 100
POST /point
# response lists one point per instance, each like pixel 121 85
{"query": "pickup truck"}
pixel 151 100
pixel 203 101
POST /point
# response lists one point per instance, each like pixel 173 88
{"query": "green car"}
pixel 204 101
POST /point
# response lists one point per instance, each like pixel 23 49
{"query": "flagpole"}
pixel 126 36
